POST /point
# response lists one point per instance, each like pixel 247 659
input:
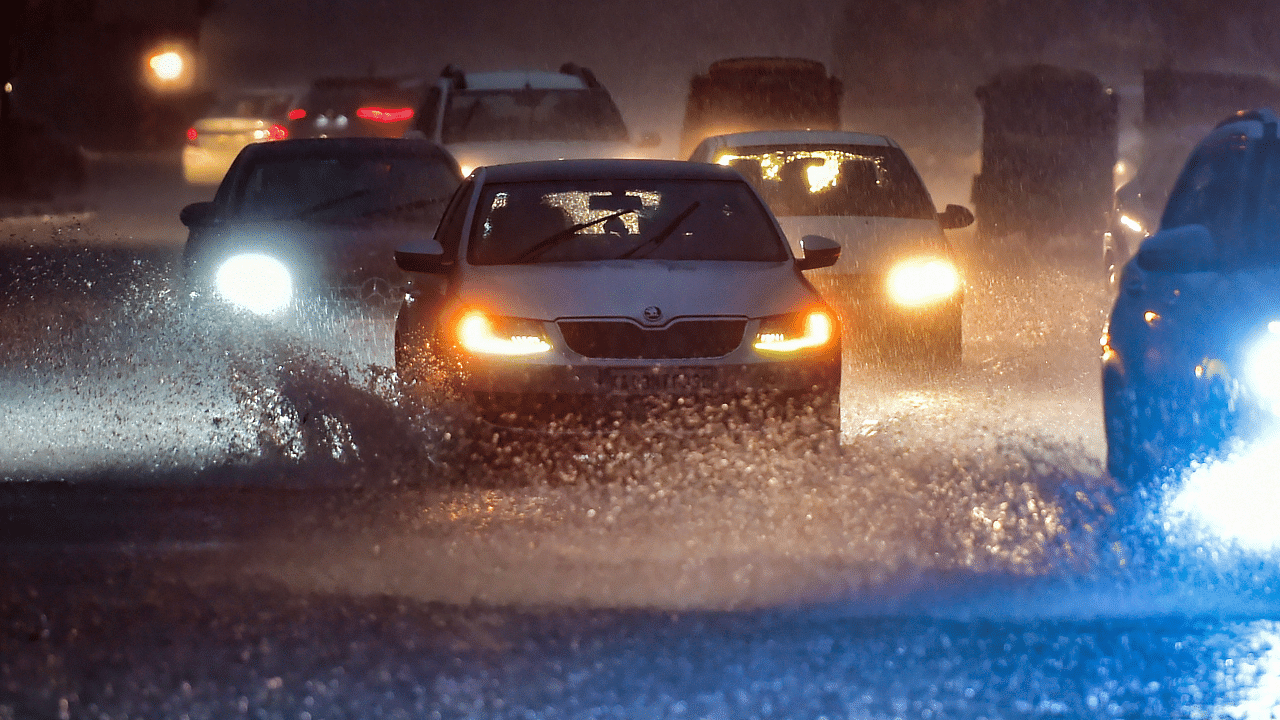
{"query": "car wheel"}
pixel 1129 430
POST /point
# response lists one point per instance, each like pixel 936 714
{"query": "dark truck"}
pixel 760 93
pixel 1049 139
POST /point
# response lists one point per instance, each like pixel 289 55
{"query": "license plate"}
pixel 654 381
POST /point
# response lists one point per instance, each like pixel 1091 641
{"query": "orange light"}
pixel 279 132
pixel 818 330
pixel 297 114
pixel 477 334
pixel 386 115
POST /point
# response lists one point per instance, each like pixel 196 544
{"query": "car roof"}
pixel 302 147
pixel 606 169
pixel 518 79
pixel 1249 122
pixel 797 137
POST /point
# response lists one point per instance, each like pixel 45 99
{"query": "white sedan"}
pixel 566 283
pixel 897 285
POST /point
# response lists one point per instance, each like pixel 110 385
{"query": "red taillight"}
pixel 192 135
pixel 386 115
pixel 297 114
pixel 279 132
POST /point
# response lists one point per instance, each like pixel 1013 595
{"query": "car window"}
pixel 350 187
pixel 846 180
pixel 252 106
pixel 449 234
pixel 1209 188
pixel 532 114
pixel 651 219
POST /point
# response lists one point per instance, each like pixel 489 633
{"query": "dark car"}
pixel 355 107
pixel 579 280
pixel 1191 352
pixel 299 218
pixel 760 93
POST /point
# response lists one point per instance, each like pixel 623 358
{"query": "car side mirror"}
pixel 819 252
pixel 1184 249
pixel 955 217
pixel 649 140
pixel 197 214
pixel 421 256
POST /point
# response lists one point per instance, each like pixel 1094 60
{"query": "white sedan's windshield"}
pixel 572 221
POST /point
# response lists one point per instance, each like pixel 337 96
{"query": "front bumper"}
pixel 867 314
pixel 665 379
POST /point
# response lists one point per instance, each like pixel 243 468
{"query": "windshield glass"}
pixel 847 180
pixel 253 106
pixel 345 188
pixel 532 114
pixel 1232 187
pixel 658 216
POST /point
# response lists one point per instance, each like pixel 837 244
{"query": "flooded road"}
pixel 207 516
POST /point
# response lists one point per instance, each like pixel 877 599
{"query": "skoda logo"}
pixel 652 314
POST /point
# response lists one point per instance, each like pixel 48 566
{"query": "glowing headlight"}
pixel 920 282
pixel 1262 371
pixel 1132 224
pixel 797 331
pixel 486 335
pixel 258 283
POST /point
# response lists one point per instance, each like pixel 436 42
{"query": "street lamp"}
pixel 169 67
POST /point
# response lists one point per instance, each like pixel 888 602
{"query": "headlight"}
pixel 484 334
pixel 795 331
pixel 258 283
pixel 1262 370
pixel 920 282
pixel 1132 224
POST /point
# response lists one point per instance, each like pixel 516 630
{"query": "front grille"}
pixel 622 339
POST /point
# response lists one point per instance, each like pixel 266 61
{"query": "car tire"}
pixel 1130 432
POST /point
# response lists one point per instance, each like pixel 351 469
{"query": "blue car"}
pixel 1191 352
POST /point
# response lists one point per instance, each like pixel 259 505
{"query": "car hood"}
pixel 477 154
pixel 867 244
pixel 625 288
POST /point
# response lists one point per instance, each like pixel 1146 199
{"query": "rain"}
pixel 205 513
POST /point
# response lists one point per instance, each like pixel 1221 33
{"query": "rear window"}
pixel 253 106
pixel 858 180
pixel 532 114
pixel 578 221
pixel 346 97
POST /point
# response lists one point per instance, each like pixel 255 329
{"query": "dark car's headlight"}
pixel 483 333
pixel 794 332
pixel 920 282
pixel 1262 366
pixel 258 283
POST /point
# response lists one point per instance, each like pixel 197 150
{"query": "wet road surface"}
pixel 205 518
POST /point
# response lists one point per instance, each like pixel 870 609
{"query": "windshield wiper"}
pixel 411 205
pixel 547 243
pixel 665 233
pixel 325 205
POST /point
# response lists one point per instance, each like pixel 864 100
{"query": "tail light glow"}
pixel 386 115
pixel 279 132
pixel 192 135
pixel 297 114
